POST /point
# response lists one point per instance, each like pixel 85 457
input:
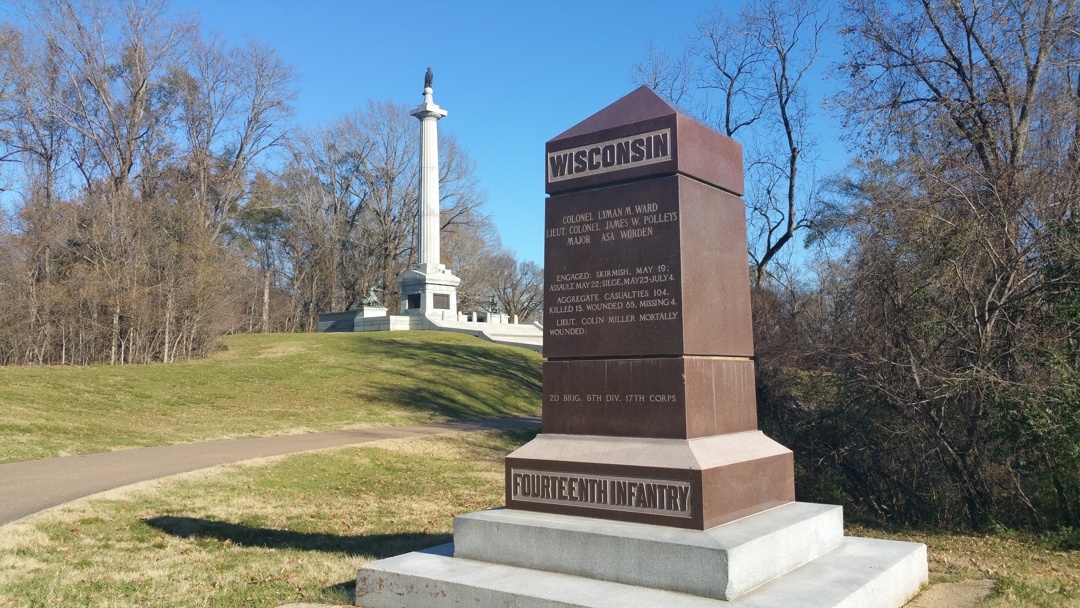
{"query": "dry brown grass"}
pixel 295 528
pixel 262 533
pixel 1026 571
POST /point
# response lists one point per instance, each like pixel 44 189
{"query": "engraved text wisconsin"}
pixel 653 496
pixel 613 155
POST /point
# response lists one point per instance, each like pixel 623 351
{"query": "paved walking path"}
pixel 34 485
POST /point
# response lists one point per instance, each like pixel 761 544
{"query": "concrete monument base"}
pixel 722 563
pixel 794 555
pixel 422 286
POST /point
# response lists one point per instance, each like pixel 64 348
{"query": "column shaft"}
pixel 429 192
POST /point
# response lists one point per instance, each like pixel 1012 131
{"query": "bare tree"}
pixel 669 75
pixel 964 241
pixel 518 286
pixel 113 58
pixel 325 198
pixel 114 261
pixel 790 35
pixel 748 76
pixel 353 199
pixel 234 105
pixel 469 248
pixel 10 60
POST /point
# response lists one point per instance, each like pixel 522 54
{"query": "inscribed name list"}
pixel 612 272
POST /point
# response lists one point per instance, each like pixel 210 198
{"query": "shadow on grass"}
pixel 450 393
pixel 378 546
pixel 345 592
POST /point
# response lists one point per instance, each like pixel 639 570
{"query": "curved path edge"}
pixel 35 485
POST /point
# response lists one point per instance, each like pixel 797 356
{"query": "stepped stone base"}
pixel 723 562
pixel 789 556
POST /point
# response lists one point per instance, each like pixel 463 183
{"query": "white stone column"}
pixel 428 287
pixel 429 114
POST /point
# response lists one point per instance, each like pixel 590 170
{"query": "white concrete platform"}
pixel 722 563
pixel 523 335
pixel 501 330
pixel 794 555
pixel 860 573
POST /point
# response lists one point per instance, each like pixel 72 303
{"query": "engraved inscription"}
pixel 612 398
pixel 618 292
pixel 616 296
pixel 612 155
pixel 613 224
pixel 616 493
pixel 611 296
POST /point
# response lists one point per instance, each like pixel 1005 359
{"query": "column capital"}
pixel 428 109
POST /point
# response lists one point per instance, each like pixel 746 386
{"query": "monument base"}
pixel 684 483
pixel 428 288
pixel 794 555
pixel 722 563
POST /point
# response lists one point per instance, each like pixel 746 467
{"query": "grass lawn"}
pixel 264 385
pixel 294 529
pixel 266 533
pixel 1026 572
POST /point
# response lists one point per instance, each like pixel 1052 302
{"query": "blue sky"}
pixel 511 74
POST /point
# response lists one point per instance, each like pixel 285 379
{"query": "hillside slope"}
pixel 265 385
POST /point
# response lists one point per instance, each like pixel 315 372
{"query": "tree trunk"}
pixel 168 326
pixel 115 334
pixel 266 302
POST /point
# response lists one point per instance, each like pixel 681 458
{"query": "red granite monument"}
pixel 649 410
pixel 650 484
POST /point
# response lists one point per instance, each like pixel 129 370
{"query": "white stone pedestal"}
pixel 791 556
pixel 427 283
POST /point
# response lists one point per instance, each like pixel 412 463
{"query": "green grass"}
pixel 1027 572
pixel 286 530
pixel 294 529
pixel 264 385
